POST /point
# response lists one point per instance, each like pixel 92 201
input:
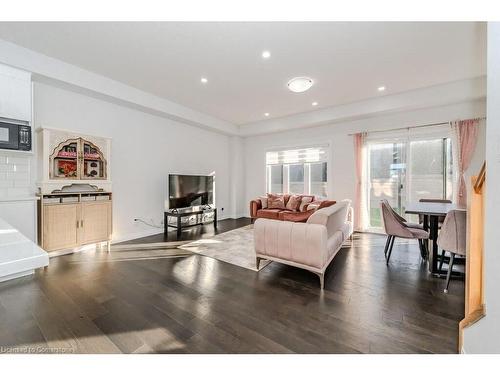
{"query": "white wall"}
pixel 484 336
pixel 341 176
pixel 145 148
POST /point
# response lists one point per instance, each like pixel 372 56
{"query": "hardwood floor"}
pixel 194 233
pixel 167 302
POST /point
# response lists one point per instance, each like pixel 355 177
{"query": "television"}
pixel 190 191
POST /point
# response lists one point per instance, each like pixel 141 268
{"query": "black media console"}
pixel 185 213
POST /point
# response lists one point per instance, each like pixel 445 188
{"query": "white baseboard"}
pixel 133 236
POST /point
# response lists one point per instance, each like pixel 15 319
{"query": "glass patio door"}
pixel 405 167
pixel 386 177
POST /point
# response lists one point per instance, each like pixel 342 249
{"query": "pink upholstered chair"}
pixel 395 226
pixel 453 238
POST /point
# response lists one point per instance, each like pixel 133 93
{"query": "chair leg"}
pixel 387 244
pixel 390 249
pixel 450 269
pixel 441 261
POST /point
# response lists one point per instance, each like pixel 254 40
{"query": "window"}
pixel 276 178
pixel 296 178
pixel 406 167
pixel 318 179
pixel 298 171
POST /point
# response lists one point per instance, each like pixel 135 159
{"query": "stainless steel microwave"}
pixel 15 136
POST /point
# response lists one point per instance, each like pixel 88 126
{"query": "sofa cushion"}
pixel 275 201
pixel 263 202
pixel 269 213
pixel 305 200
pixel 293 202
pixel 297 217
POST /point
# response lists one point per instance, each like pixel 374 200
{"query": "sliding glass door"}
pixel 386 178
pixel 407 169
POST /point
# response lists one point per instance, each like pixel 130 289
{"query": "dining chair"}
pixel 453 238
pixel 395 227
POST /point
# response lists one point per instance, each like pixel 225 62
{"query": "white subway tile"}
pixel 18 160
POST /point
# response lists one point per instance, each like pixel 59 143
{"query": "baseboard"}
pixel 133 236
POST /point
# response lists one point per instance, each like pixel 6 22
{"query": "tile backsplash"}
pixel 15 175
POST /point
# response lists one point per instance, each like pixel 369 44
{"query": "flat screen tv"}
pixel 188 191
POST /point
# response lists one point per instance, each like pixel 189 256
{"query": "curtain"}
pixel 359 142
pixel 464 142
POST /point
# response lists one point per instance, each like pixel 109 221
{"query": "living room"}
pixel 248 187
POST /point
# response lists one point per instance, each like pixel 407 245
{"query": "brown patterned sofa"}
pixel 299 212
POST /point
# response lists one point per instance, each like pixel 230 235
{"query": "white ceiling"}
pixel 347 61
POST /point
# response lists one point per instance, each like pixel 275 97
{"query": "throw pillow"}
pixel 326 204
pixel 275 201
pixel 313 206
pixel 305 200
pixel 263 202
pixel 293 202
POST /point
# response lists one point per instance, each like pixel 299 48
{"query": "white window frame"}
pixel 307 168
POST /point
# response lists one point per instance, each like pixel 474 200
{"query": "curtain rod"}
pixel 413 127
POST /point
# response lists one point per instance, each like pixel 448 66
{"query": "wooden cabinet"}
pixel 95 224
pixel 60 226
pixel 68 221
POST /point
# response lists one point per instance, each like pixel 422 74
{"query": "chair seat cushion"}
pixel 419 233
pixel 413 225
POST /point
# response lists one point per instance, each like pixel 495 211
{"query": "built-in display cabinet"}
pixel 73 157
pixel 75 206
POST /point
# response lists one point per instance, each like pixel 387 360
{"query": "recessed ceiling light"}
pixel 266 114
pixel 203 80
pixel 381 88
pixel 300 84
pixel 314 104
pixel 266 54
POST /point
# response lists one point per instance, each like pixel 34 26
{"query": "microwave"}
pixel 15 136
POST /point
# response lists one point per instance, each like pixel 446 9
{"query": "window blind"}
pixel 297 156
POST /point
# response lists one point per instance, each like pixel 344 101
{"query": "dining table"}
pixel 431 212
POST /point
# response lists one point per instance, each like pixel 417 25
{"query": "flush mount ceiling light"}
pixel 266 54
pixel 203 80
pixel 381 88
pixel 266 114
pixel 314 104
pixel 300 84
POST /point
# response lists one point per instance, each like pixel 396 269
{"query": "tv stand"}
pixel 179 214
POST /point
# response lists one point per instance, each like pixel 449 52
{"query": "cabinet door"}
pixel 96 222
pixel 15 94
pixel 60 226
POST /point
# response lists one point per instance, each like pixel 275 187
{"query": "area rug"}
pixel 235 247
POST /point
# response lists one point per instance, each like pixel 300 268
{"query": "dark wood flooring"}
pixel 193 233
pixel 160 301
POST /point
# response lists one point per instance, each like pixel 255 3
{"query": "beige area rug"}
pixel 235 247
